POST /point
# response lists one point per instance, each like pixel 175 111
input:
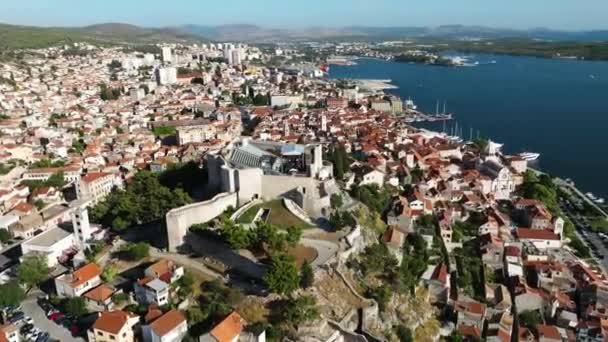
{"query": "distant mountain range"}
pixel 13 36
pixel 258 33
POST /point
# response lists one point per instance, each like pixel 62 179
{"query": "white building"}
pixel 166 75
pixel 170 327
pixel 78 282
pixel 113 326
pixel 97 185
pixel 166 54
pixel 52 244
pixel 80 222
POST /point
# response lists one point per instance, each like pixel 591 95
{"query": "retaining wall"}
pixel 180 219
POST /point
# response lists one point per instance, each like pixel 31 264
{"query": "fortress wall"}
pixel 180 219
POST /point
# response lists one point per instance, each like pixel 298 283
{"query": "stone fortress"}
pixel 247 171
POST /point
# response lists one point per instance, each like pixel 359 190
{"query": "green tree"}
pixel 293 235
pixel 33 270
pixel 530 318
pixel 137 251
pixel 76 306
pixel 56 180
pixel 236 235
pixel 307 275
pixel 382 295
pixel 300 310
pixel 261 100
pixel 336 201
pixel 404 333
pixel 283 277
pixel 12 294
pixel 5 235
pixel 109 273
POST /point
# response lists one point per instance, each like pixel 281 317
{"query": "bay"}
pixel 555 107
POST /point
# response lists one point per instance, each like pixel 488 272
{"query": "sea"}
pixel 555 107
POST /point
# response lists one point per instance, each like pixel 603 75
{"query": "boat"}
pixel 529 156
pixel 409 104
pixel 600 201
pixel 591 196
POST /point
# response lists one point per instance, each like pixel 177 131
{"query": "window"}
pixel 99 333
pixel 112 337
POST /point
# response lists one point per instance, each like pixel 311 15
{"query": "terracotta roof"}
pixel 229 328
pixel 167 322
pixel 536 234
pixel 93 176
pixel 100 293
pixel 161 267
pixel 548 331
pixel 112 321
pixel 83 274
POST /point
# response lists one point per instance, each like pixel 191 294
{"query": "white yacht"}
pixel 529 156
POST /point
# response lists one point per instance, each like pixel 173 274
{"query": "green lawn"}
pixel 279 215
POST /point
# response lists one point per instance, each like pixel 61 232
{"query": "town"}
pixel 231 192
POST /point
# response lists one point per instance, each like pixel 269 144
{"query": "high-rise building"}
pixel 166 75
pixel 166 54
pixel 80 223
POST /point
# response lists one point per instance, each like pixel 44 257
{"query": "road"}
pixel 563 183
pixel 30 308
pixel 325 250
pixel 186 261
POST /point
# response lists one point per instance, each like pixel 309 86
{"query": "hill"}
pixel 255 33
pixel 19 37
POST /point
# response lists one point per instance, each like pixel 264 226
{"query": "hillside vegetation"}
pixel 26 37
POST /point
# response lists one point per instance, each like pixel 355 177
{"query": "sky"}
pixel 520 14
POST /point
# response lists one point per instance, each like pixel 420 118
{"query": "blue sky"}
pixel 559 14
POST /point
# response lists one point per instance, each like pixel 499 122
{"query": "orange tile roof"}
pixel 100 293
pixel 229 328
pixel 549 332
pixel 161 267
pixel 167 322
pixel 93 176
pixel 84 274
pixel 536 234
pixel 112 321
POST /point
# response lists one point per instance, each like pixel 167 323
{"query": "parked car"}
pixel 26 328
pixel 55 315
pixel 44 337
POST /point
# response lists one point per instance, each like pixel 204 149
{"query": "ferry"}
pixel 529 156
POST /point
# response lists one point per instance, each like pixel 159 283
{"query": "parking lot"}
pixel 597 243
pixel 57 332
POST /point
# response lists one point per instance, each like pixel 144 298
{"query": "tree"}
pixel 300 310
pixel 76 306
pixel 336 201
pixel 33 270
pixel 236 235
pixel 119 298
pixel 5 235
pixel 137 251
pixel 404 333
pixel 294 234
pixel 109 273
pixel 261 100
pixel 12 294
pixel 186 283
pixel 307 276
pixel 283 277
pixel 530 318
pixel 382 295
pixel 253 310
pixel 56 180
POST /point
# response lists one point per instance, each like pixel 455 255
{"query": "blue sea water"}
pixel 555 107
